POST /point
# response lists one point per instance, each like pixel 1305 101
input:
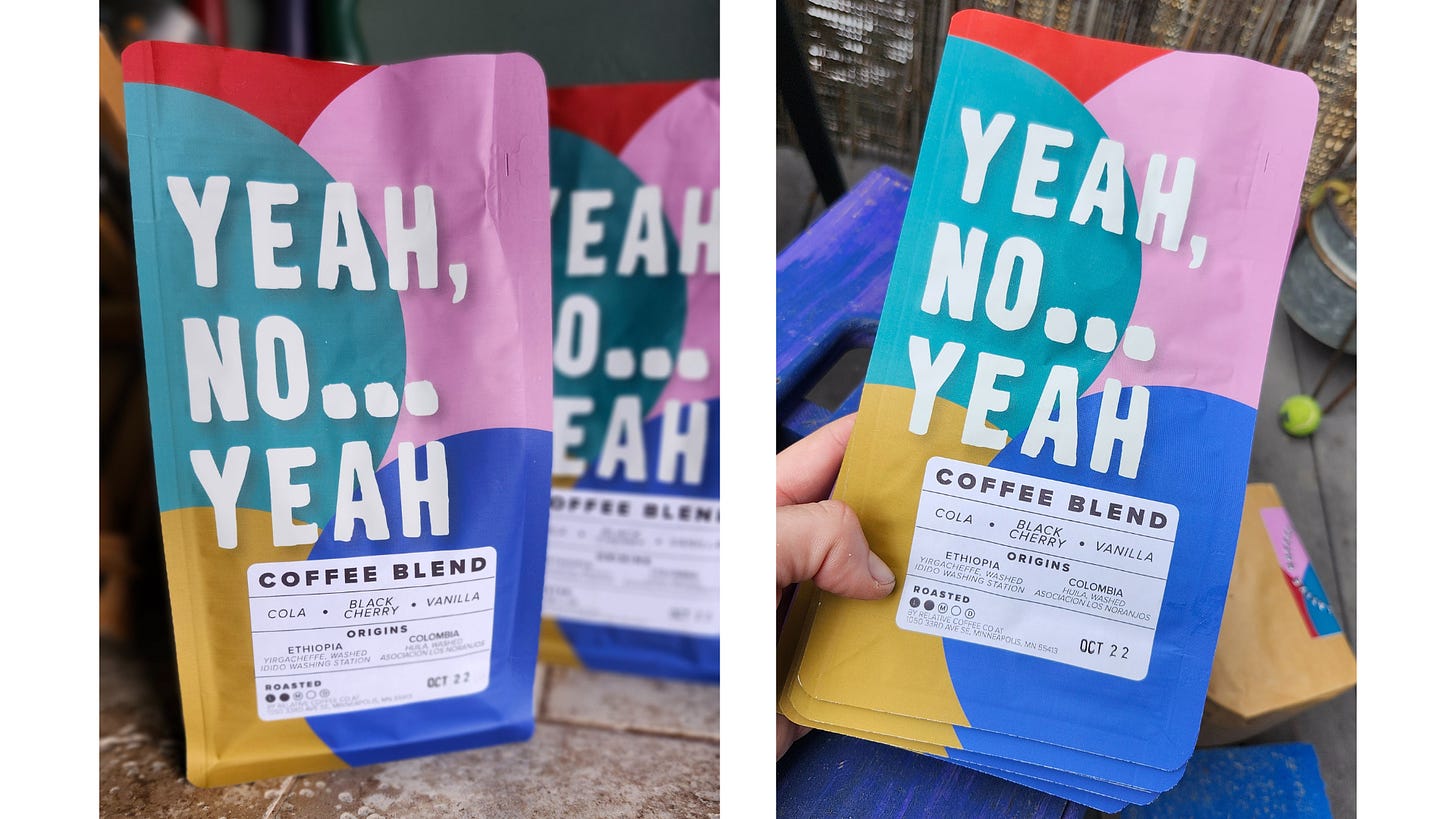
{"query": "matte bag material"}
pixel 345 295
pixel 632 563
pixel 1052 445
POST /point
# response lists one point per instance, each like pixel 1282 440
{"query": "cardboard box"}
pixel 1280 649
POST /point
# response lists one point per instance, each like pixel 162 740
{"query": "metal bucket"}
pixel 1319 284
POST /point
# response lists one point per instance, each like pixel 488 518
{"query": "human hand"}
pixel 819 539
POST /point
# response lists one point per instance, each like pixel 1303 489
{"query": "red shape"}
pixel 1083 65
pixel 1302 604
pixel 611 114
pixel 284 92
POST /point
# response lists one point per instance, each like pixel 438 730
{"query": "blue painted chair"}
pixel 831 287
pixel 1277 781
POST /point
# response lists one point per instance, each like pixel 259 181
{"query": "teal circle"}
pixel 350 337
pixel 1088 270
pixel 638 311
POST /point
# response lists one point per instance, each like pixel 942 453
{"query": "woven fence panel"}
pixel 873 64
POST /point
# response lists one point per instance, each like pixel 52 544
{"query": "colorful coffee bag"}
pixel 345 300
pixel 1052 445
pixel 632 563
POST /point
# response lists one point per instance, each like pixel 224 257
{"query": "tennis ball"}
pixel 1300 415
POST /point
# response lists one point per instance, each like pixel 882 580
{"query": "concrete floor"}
pixel 1314 476
pixel 606 745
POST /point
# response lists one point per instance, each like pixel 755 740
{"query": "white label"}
pixel 1041 567
pixel 640 561
pixel 331 636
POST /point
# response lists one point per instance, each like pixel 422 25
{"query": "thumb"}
pixel 823 542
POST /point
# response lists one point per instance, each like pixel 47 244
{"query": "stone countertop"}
pixel 606 745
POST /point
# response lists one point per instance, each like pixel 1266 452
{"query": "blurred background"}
pixel 575 42
pixel 873 64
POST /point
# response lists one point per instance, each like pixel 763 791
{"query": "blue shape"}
pixel 1078 788
pixel 826 774
pixel 643 651
pixel 1279 781
pixel 1091 799
pixel 498 497
pixel 1195 457
pixel 1317 604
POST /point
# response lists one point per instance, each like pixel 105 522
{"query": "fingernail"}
pixel 880 571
